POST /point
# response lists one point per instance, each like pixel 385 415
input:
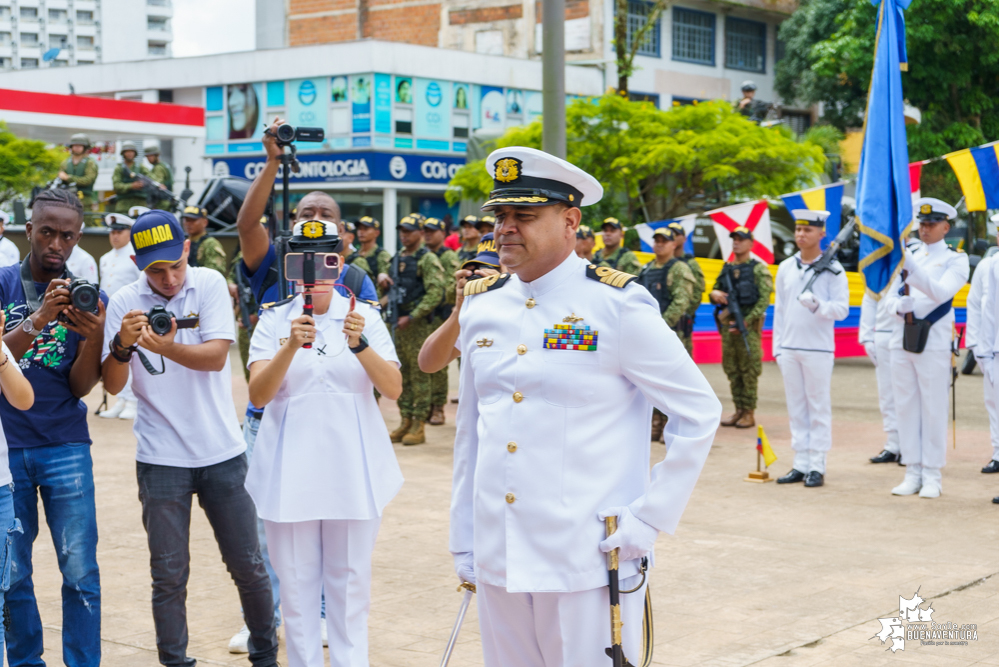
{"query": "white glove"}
pixel 906 304
pixel 464 566
pixel 910 263
pixel 634 537
pixel 871 352
pixel 808 300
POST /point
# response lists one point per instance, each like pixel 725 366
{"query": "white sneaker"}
pixel 130 411
pixel 909 486
pixel 239 641
pixel 932 486
pixel 323 631
pixel 114 411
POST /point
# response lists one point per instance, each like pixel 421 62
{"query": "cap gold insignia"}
pixel 507 170
pixel 925 209
pixel 313 230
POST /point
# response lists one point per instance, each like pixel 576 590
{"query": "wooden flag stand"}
pixel 759 475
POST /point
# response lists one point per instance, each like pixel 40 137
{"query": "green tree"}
pixel 952 78
pixel 625 50
pixel 24 164
pixel 657 164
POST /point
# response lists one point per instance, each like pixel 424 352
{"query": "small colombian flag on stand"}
pixel 763 451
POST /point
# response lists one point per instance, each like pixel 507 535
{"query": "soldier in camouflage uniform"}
pixel 80 169
pixel 127 188
pixel 585 239
pixel 419 275
pixel 753 285
pixel 348 232
pixel 433 236
pixel 470 235
pixel 378 259
pixel 205 250
pixel 680 234
pixel 672 284
pixel 614 254
pixel 160 173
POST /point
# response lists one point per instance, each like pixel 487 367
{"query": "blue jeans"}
pixel 64 477
pixel 8 527
pixel 251 425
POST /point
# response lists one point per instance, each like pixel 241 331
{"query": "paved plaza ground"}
pixel 757 574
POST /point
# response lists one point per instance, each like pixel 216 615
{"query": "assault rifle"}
pixel 155 192
pixel 735 310
pixel 244 298
pixel 824 263
pixel 396 297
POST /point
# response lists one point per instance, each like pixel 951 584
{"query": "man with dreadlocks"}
pixel 49 445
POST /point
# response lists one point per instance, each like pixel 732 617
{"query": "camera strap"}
pixel 149 367
pixel 28 285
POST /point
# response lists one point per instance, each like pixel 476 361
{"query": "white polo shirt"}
pixel 186 418
pixel 5 476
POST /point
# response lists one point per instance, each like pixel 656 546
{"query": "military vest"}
pixel 443 311
pixel 404 274
pixel 743 283
pixel 78 170
pixel 654 280
pixel 467 255
pixel 192 257
pixel 617 254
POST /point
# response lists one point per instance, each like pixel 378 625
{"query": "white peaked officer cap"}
pixel 118 221
pixel 931 209
pixel 529 177
pixel 809 218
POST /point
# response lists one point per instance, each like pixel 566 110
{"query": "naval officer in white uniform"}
pixel 804 344
pixel 934 274
pixel 980 333
pixel 117 270
pixel 562 364
pixel 323 468
pixel 876 326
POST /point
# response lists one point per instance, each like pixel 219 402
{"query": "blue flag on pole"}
pixel 884 196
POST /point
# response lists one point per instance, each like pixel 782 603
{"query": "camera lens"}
pixel 85 296
pixel 285 133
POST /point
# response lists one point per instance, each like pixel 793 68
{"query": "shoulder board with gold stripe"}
pixel 609 276
pixel 275 304
pixel 373 304
pixel 487 284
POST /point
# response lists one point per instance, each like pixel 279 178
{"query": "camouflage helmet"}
pixel 151 149
pixel 79 139
pixel 128 146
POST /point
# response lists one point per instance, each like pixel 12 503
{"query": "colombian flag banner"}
pixel 977 170
pixel 824 198
pixel 763 446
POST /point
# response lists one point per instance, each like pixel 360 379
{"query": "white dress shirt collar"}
pixel 553 278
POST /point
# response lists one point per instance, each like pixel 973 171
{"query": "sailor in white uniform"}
pixel 562 364
pixel 323 468
pixel 876 326
pixel 117 270
pixel 804 345
pixel 979 333
pixel 921 364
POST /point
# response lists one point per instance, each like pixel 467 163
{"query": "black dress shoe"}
pixel 791 477
pixel 885 457
pixel 993 466
pixel 996 500
pixel 814 478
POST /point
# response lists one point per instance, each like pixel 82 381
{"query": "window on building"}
pixel 156 23
pixel 59 63
pixel 460 125
pixel 84 62
pixel 4 38
pixel 745 45
pixel 158 3
pixel 778 48
pixel 84 17
pixel 58 15
pixel 686 101
pixel 157 49
pixel 693 36
pixel 29 13
pixel 403 120
pixel 57 41
pixel 638 16
pixel 29 38
pixel 644 97
pixel 489 42
pixel 4 12
pixel 85 41
pixel 29 63
pixel 4 63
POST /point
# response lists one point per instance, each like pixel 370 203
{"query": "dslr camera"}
pixel 83 296
pixel 159 320
pixel 286 134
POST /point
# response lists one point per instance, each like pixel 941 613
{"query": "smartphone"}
pixel 327 267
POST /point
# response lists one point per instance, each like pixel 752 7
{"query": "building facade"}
pixel 40 34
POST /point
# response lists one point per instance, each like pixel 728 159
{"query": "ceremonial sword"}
pixel 465 601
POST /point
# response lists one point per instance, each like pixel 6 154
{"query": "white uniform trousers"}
pixel 886 395
pixel 807 387
pixel 334 556
pixel 922 385
pixel 557 629
pixel 989 391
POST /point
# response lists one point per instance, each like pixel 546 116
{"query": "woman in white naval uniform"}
pixel 935 273
pixel 804 344
pixel 323 468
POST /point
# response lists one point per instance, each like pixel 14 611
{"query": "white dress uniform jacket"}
pixel 82 265
pixel 9 254
pixel 546 438
pixel 795 326
pixel 322 451
pixel 118 269
pixel 975 294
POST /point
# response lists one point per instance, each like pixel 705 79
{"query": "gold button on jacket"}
pixel 521 349
pixel 517 397
pixel 510 497
pixel 511 447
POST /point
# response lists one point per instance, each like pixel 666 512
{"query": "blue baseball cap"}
pixel 486 253
pixel 157 237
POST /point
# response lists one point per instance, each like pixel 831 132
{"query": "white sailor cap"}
pixel 528 177
pixel 118 221
pixel 930 209
pixel 136 211
pixel 4 218
pixel 809 218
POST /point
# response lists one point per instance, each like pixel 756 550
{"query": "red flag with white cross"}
pixel 755 216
